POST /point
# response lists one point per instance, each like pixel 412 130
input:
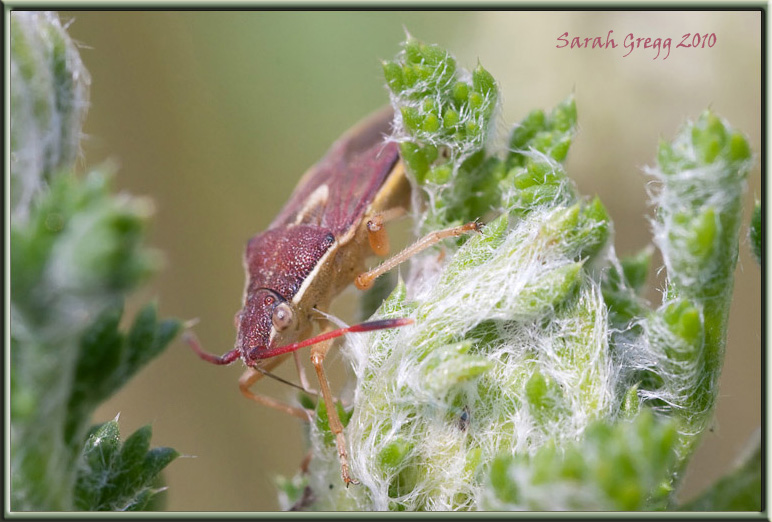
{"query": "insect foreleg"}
pixel 252 375
pixel 365 281
pixel 318 353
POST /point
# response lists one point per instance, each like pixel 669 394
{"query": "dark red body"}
pixel 320 218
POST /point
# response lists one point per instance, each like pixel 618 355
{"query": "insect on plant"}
pixel 313 249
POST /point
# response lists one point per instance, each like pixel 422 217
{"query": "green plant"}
pixel 535 376
pixel 76 252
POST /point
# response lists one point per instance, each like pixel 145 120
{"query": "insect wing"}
pixel 335 192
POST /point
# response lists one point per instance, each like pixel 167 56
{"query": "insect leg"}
pixel 302 375
pixel 318 352
pixel 376 234
pixel 365 281
pixel 252 375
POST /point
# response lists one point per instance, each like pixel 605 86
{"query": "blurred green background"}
pixel 215 115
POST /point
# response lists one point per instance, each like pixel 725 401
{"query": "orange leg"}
pixel 379 240
pixel 318 353
pixel 302 375
pixel 251 376
pixel 365 281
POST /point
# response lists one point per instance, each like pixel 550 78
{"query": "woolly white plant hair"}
pixel 509 351
pixel 513 379
pixel 50 104
pixel 77 252
pixel 450 405
pixel 701 179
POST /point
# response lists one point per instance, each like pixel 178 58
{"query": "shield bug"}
pixel 315 247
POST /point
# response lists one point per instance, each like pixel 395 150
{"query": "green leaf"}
pixel 49 91
pixel 551 135
pixel 483 82
pixel 393 74
pixel 621 292
pixel 549 289
pixel 636 268
pixel 415 159
pixel 115 477
pixel 450 365
pixel 619 467
pixel 76 252
pixel 323 420
pixel 702 174
pixel 439 111
pixel 393 454
pixel 109 358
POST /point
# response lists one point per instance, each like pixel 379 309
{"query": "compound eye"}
pixel 282 316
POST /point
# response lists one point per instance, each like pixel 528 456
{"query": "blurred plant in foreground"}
pixel 536 377
pixel 76 253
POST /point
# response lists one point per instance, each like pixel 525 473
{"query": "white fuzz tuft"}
pixel 510 311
